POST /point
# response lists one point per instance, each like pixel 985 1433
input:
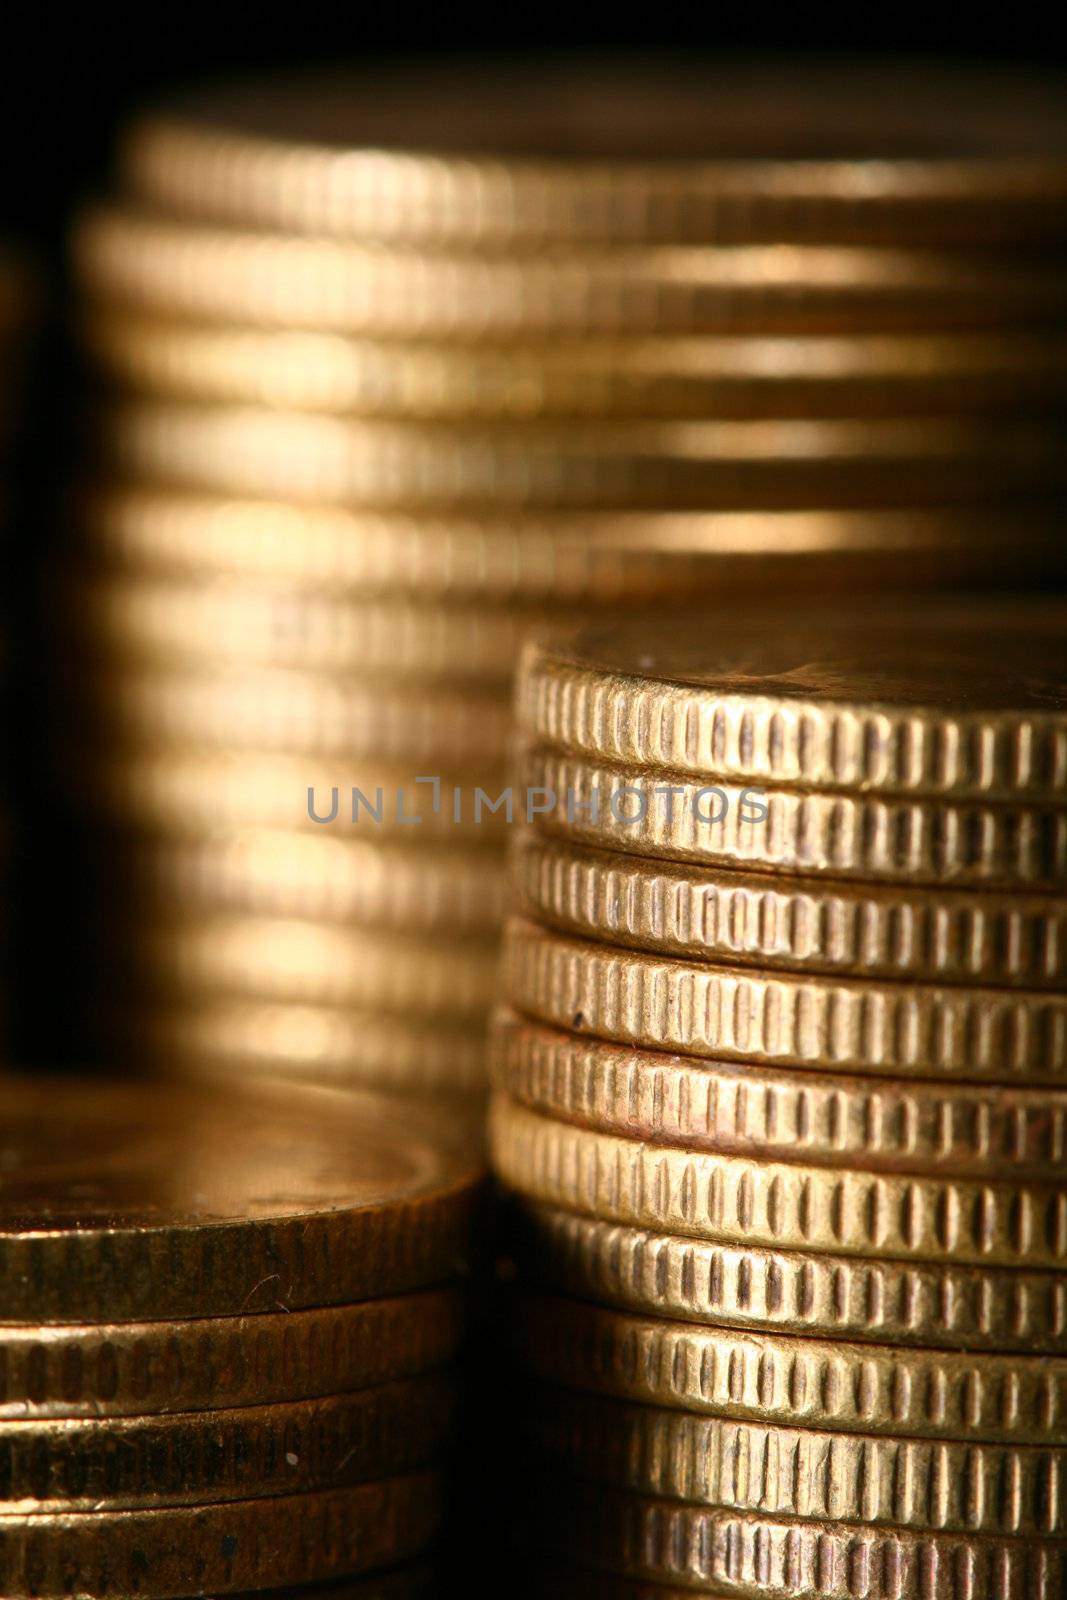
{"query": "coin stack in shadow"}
pixel 781 1104
pixel 230 1327
pixel 395 372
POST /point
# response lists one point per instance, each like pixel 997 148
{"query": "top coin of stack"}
pixel 782 1098
pixel 227 1326
pixel 401 369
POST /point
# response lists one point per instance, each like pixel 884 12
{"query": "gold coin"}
pixel 241 1544
pixel 219 1363
pixel 948 698
pixel 884 931
pixel 273 709
pixel 942 1306
pixel 833 1024
pixel 734 464
pixel 623 557
pixel 752 1557
pixel 884 1124
pixel 190 789
pixel 312 963
pixel 323 876
pixel 920 840
pixel 167 621
pixel 227 1040
pixel 125 1202
pixel 614 154
pixel 739 376
pixel 928 1485
pixel 146 263
pixel 809 1382
pixel 84 1464
pixel 777 1205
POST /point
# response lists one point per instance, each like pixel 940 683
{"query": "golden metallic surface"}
pixel 708 913
pixel 753 1557
pixel 183 789
pixel 130 1463
pixel 944 698
pixel 328 715
pixel 563 556
pixel 928 1485
pixel 807 1383
pixel 129 1202
pixel 914 839
pixel 241 1544
pixel 730 465
pixel 133 260
pixel 228 1040
pixel 740 1200
pixel 798 1292
pixel 218 1363
pixel 612 154
pixel 895 374
pixel 327 876
pixel 168 620
pixel 822 1118
pixel 312 963
pixel 853 1025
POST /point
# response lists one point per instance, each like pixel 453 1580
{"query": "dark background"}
pixel 68 82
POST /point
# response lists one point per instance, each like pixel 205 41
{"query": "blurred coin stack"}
pixel 398 370
pixel 780 1101
pixel 230 1322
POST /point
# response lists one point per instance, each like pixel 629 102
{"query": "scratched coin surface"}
pixel 125 1201
pixel 937 1305
pixel 743 1108
pixel 809 1383
pixel 947 698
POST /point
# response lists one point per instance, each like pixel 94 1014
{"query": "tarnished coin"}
pixel 940 1306
pixel 226 1040
pixel 809 1382
pixel 785 1019
pixel 627 556
pixel 217 1363
pixel 944 698
pixel 927 1485
pixel 721 914
pixel 612 154
pixel 128 1202
pixel 183 789
pixel 739 1200
pixel 85 1464
pixel 894 374
pixel 311 963
pixel 143 261
pixel 168 621
pixel 774 1114
pixel 240 1544
pixel 751 1557
pixel 336 874
pixel 745 465
pixel 333 715
pixel 920 840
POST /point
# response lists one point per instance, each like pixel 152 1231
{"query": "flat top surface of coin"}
pixel 79 1155
pixel 937 655
pixel 562 114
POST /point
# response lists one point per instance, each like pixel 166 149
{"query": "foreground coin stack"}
pixel 398 371
pixel 780 1102
pixel 230 1322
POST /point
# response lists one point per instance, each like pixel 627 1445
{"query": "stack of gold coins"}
pixel 229 1327
pixel 781 1102
pixel 396 370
